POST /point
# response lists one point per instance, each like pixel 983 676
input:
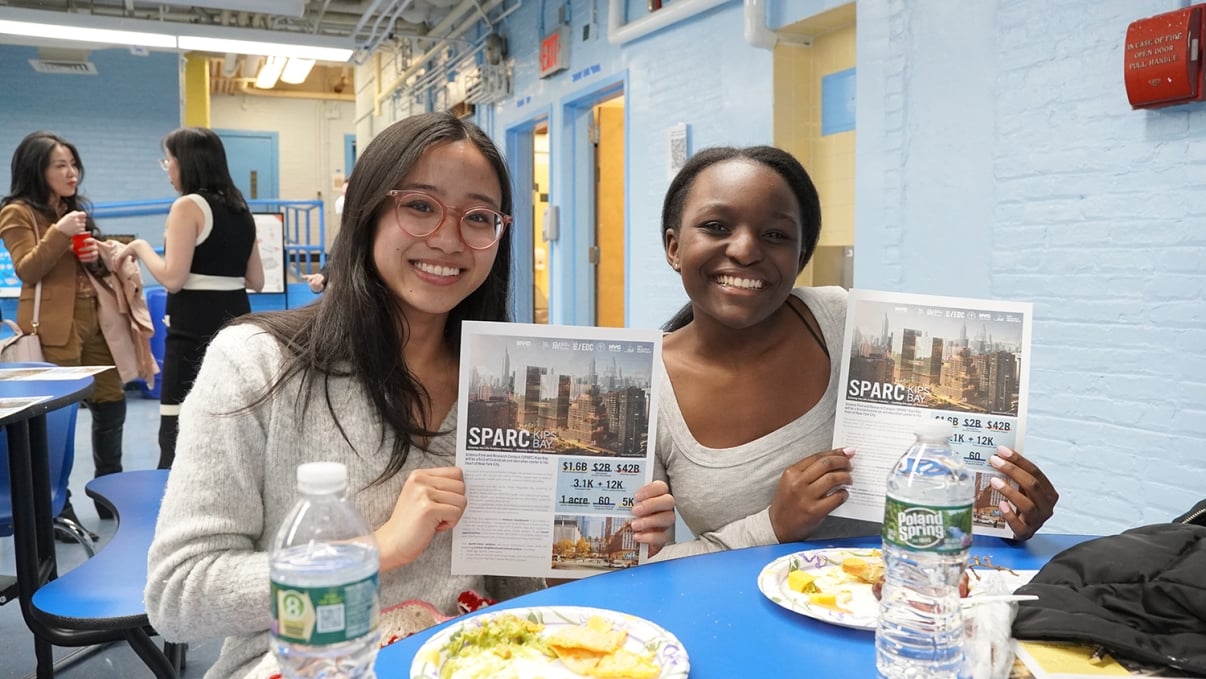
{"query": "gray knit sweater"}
pixel 724 494
pixel 233 483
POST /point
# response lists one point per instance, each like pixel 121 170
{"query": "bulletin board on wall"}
pixel 270 232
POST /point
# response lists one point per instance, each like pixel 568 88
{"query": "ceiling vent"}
pixel 63 67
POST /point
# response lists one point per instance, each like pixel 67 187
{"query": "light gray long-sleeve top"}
pixel 724 494
pixel 233 483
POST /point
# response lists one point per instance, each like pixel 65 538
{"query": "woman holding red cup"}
pixel 79 245
pixel 48 233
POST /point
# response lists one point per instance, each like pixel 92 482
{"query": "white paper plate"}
pixel 860 612
pixel 643 637
pixel 862 609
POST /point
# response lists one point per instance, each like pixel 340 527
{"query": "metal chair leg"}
pixel 151 655
pixel 43 654
pixel 177 654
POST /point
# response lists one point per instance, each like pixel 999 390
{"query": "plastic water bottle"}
pixel 323 568
pixel 927 533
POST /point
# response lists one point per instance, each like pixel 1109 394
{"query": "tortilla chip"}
pixel 596 635
pixel 624 664
pixel 866 570
pixel 579 660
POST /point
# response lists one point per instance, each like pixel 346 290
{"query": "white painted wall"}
pixel 310 141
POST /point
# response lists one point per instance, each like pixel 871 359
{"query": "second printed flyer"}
pixel 556 432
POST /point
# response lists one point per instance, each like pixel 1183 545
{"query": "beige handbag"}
pixel 21 347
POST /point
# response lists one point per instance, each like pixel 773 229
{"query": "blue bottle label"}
pixel 923 527
pixel 319 616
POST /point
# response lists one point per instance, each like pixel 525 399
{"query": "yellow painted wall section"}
pixel 196 90
pixel 797 128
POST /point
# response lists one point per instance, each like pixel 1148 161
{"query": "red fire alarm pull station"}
pixel 1164 59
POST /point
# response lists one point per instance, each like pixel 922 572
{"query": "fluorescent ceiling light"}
pixel 296 70
pixel 270 72
pixel 267 49
pixel 81 34
pixel 75 27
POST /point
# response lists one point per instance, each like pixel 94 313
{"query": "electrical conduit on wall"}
pixel 456 14
pixel 756 32
pixel 619 32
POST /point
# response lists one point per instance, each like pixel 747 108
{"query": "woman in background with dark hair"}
pixel 38 220
pixel 210 259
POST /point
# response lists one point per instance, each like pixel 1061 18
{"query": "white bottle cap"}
pixel 322 477
pixel 933 429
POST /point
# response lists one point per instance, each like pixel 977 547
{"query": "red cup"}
pixel 79 241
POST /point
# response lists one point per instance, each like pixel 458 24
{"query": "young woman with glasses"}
pixel 210 259
pixel 368 376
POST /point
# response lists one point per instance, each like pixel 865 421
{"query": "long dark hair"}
pixel 201 160
pixel 783 163
pixel 30 160
pixel 356 329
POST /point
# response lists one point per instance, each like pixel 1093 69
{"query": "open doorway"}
pixel 540 206
pixel 595 247
pixel 814 80
pixel 608 250
pixel 529 160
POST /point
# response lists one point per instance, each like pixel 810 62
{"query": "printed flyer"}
pixel 556 432
pixel 907 357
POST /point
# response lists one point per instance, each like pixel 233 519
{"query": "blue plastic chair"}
pixel 101 599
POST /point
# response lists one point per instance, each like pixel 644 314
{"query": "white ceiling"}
pixel 368 23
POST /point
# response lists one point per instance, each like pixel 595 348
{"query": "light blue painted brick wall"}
pixel 700 72
pixel 115 119
pixel 997 156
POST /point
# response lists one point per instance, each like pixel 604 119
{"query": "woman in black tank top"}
pixel 210 260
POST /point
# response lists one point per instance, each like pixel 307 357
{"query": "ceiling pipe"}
pixel 758 35
pixel 398 8
pixel 619 32
pixel 321 13
pixel 455 15
pixel 364 18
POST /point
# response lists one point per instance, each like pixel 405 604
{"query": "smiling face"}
pixel 738 244
pixel 431 275
pixel 62 174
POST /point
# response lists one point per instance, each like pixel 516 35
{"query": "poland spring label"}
pixel 922 527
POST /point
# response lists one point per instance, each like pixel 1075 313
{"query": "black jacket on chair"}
pixel 1140 594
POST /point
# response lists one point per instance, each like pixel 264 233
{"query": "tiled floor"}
pixel 141 451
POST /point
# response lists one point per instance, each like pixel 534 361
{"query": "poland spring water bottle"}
pixel 927 533
pixel 323 568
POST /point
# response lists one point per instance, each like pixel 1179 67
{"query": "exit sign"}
pixel 554 52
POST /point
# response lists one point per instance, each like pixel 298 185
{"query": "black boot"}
pixel 108 420
pixel 169 429
pixel 68 516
